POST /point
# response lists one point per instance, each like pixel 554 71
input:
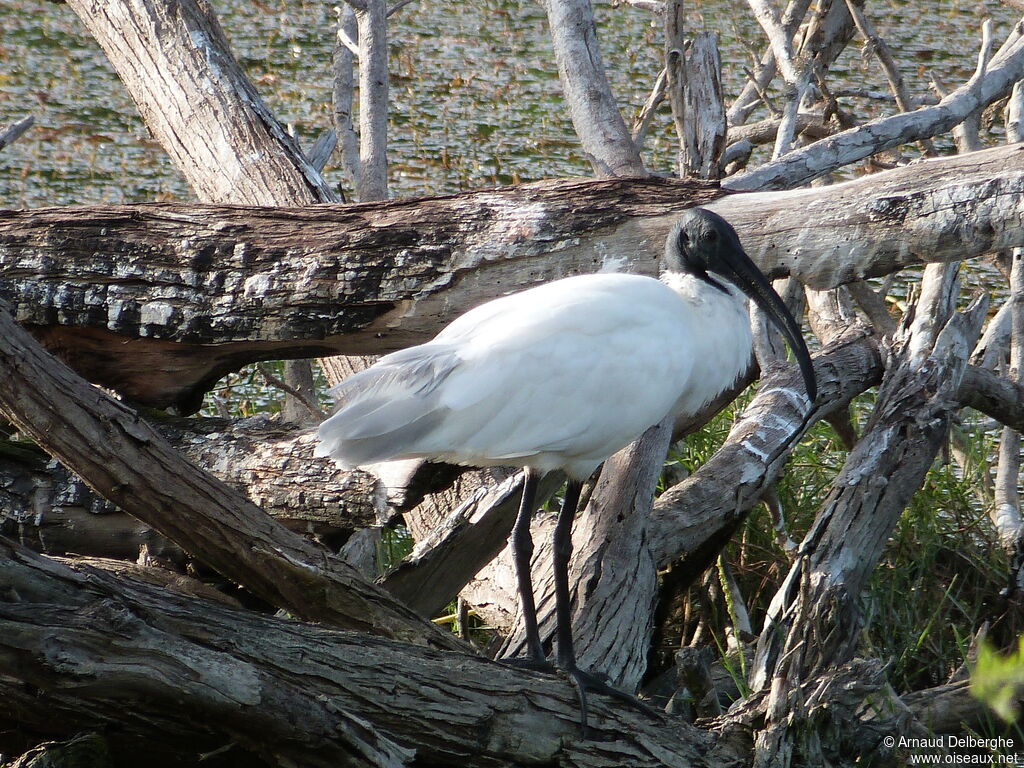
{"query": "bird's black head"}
pixel 705 245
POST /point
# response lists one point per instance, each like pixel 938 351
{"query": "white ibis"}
pixel 562 376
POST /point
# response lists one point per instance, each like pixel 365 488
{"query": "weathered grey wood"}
pixel 881 49
pixel 1006 508
pixel 994 396
pixel 674 25
pixel 814 619
pixel 175 61
pixel 592 107
pixel 749 97
pixel 697 515
pixel 796 72
pixel 829 154
pixel 15 130
pixel 451 549
pixel 371 23
pixel 201 290
pixel 878 224
pixel 99 649
pixel 343 93
pixel 808 124
pixel 303 282
pixel 705 126
pixel 130 464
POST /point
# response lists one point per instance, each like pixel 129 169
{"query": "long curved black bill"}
pixel 752 282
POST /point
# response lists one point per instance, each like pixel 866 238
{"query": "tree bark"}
pixel 814 619
pixel 96 649
pixel 51 510
pixel 595 115
pixel 176 63
pixel 200 291
pixel 822 157
pixel 705 127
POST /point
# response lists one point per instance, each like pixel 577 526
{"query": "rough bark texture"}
pixel 200 291
pixel 994 396
pixel 285 691
pixel 129 463
pixel 451 549
pixel 51 510
pixel 814 619
pixel 701 511
pixel 595 115
pixel 302 282
pixel 705 128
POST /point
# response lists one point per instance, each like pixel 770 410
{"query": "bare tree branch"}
pixel 824 156
pixel 592 106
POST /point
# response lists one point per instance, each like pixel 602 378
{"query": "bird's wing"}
pixel 538 371
pixel 388 406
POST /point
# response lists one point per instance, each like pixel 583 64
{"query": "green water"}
pixel 475 97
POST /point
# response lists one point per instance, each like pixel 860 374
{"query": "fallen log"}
pixel 50 509
pixel 81 648
pixel 122 457
pixel 159 300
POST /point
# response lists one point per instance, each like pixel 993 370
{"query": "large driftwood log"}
pixel 96 649
pixel 122 457
pixel 203 290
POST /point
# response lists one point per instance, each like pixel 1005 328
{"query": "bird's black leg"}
pixel 522 552
pixel 562 552
pixel 566 656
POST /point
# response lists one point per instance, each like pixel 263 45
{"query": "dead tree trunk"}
pixel 177 65
pixel 814 620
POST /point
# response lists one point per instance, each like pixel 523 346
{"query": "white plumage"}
pixel 556 377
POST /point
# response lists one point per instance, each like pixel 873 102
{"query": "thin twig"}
pixel 643 121
pixel 348 42
pixel 13 132
pixel 273 381
pixel 892 71
pixel 397 7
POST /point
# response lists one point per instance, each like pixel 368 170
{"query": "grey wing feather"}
pixel 384 411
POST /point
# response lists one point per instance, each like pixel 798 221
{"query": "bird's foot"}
pixel 598 683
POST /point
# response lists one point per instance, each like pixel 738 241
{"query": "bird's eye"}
pixel 712 236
